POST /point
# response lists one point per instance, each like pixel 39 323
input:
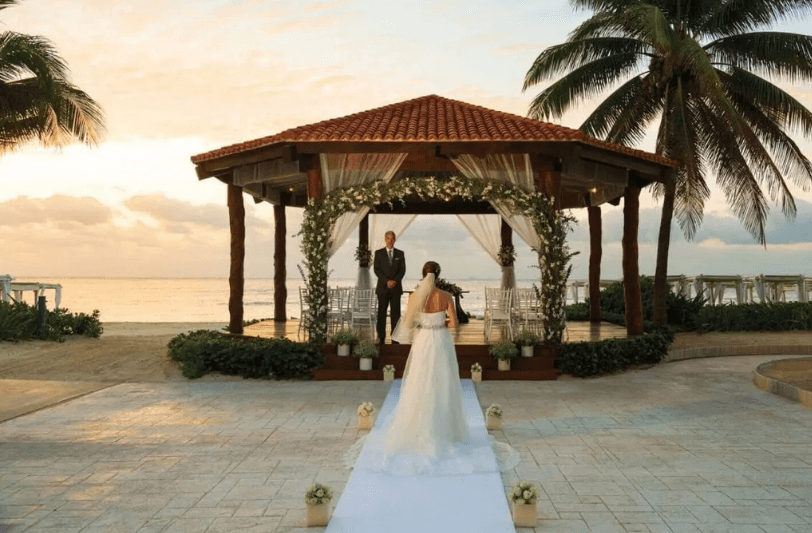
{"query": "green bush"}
pixel 20 321
pixel 682 310
pixel 203 351
pixel 775 316
pixel 613 355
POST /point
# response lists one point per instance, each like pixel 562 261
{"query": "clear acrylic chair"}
pixel 363 312
pixel 335 310
pixel 498 312
pixel 527 310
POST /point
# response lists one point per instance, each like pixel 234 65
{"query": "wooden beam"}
pixel 595 253
pixel 236 277
pixel 363 237
pixel 280 290
pixel 651 169
pixel 274 171
pixel 315 186
pixel 631 267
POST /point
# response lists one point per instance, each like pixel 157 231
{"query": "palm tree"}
pixel 37 100
pixel 703 68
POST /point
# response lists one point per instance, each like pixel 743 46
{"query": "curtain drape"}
pixel 348 170
pixel 487 232
pixel 511 168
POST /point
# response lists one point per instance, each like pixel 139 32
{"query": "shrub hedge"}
pixel 203 351
pixel 20 321
pixel 593 358
pixel 768 316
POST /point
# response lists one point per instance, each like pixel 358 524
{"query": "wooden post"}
pixel 280 290
pixel 507 233
pixel 631 268
pixel 363 238
pixel 315 186
pixel 236 278
pixel 595 254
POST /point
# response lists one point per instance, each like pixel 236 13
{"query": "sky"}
pixel 180 77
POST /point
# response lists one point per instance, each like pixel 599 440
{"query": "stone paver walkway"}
pixel 690 446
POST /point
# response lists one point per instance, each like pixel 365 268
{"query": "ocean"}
pixel 206 300
pixel 202 300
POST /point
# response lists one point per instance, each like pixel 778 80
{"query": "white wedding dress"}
pixel 428 431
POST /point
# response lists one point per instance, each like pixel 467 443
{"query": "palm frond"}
pixel 562 58
pixel 783 54
pixel 624 115
pixel 739 16
pixel 647 23
pixel 582 83
pixel 22 55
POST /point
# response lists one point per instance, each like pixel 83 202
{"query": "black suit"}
pixel 387 297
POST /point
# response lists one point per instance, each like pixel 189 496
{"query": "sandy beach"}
pixel 136 352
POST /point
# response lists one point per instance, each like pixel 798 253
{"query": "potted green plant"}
pixel 318 498
pixel 344 339
pixel 527 340
pixel 503 351
pixel 365 351
pixel 524 496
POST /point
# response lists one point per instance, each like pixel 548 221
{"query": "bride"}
pixel 429 417
pixel 428 431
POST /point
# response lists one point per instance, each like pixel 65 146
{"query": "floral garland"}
pixel 506 255
pixel 447 286
pixel 363 255
pixel 552 227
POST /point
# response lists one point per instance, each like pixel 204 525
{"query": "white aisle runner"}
pixel 373 502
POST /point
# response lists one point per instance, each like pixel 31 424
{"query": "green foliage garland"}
pixel 552 227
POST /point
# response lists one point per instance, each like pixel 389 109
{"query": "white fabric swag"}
pixel 349 170
pixel 487 232
pixel 510 168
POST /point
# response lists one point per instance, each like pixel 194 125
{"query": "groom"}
pixel 390 267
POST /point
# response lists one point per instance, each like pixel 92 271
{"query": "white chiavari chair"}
pixel 364 312
pixel 498 312
pixel 527 308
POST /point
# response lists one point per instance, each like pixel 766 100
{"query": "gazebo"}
pixel 442 138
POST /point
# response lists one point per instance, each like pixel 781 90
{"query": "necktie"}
pixel 390 257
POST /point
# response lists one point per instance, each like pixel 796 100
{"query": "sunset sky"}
pixel 180 77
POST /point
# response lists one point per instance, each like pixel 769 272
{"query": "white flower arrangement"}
pixel 476 367
pixel 366 409
pixel 318 494
pixel 494 410
pixel 551 226
pixel 389 368
pixel 524 493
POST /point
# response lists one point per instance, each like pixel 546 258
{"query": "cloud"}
pixel 84 211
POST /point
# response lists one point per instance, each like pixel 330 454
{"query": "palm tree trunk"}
pixel 595 253
pixel 663 243
pixel 631 268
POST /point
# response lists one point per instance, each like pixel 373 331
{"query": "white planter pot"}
pixel 365 363
pixel 493 422
pixel 389 376
pixel 366 422
pixel 524 515
pixel 476 376
pixel 504 364
pixel 318 515
pixel 527 351
pixel 343 350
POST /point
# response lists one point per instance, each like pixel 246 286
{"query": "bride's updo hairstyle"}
pixel 431 267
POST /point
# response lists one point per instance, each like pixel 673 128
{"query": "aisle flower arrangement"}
pixel 476 372
pixel 493 417
pixel 365 418
pixel 317 498
pixel 550 224
pixel 318 494
pixel 494 410
pixel 389 372
pixel 524 496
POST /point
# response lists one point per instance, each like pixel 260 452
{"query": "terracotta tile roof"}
pixel 427 119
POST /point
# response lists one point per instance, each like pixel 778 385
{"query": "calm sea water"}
pixel 200 300
pixel 206 300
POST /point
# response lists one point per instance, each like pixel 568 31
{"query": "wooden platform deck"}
pixel 470 344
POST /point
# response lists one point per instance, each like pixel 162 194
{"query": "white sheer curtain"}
pixel 379 224
pixel 347 170
pixel 487 231
pixel 511 168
